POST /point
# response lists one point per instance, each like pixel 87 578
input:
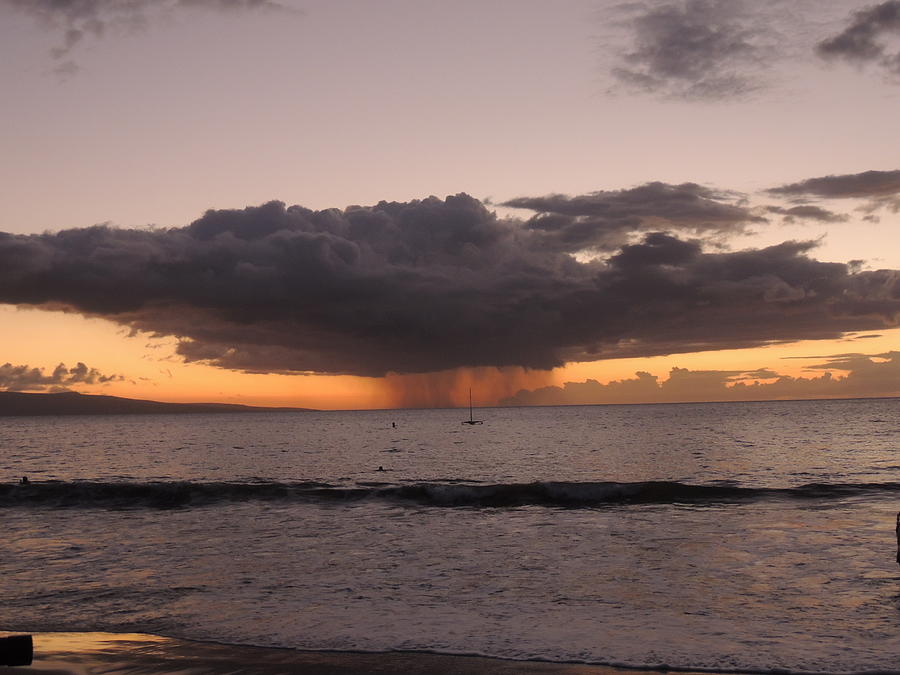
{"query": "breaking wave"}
pixel 88 494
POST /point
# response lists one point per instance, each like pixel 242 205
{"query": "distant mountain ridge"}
pixel 14 403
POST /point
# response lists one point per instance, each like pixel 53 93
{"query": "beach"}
pixel 143 654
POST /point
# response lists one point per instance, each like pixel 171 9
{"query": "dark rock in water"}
pixel 16 650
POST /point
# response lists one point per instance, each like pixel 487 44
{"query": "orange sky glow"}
pixel 151 370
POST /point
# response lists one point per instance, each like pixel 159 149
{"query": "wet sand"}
pixel 142 654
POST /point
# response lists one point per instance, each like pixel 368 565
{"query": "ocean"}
pixel 725 536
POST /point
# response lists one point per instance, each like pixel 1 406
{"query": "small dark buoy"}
pixel 393 425
pixel 24 480
pixel 381 468
pixel 17 650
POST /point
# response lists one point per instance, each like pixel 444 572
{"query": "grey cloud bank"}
pixel 845 186
pixel 76 20
pixel 863 40
pixel 722 50
pixel 807 212
pixel 605 220
pixel 877 189
pixel 431 285
pixel 697 49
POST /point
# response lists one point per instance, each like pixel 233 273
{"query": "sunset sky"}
pixel 364 204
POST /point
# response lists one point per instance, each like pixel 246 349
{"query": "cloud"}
pixel 807 212
pixel 26 378
pixel 865 376
pixel 863 41
pixel 431 285
pixel 605 220
pixel 77 20
pixel 694 49
pixel 880 189
pixel 868 374
pixel 855 185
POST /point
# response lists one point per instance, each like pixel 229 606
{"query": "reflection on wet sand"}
pixel 142 654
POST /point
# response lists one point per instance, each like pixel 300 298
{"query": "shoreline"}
pixel 98 653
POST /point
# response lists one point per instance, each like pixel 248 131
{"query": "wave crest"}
pixel 88 494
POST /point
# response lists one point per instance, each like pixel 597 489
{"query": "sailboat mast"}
pixel 471 419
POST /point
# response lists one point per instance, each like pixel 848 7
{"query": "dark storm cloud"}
pixel 863 40
pixel 26 378
pixel 605 220
pixel 695 49
pixel 430 285
pixel 76 20
pixel 863 375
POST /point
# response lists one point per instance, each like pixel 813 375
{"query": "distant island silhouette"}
pixel 14 403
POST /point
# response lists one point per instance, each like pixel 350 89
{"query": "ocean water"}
pixel 737 536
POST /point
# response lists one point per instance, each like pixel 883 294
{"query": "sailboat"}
pixel 471 419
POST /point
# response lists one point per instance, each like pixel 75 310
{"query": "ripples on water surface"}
pixel 562 533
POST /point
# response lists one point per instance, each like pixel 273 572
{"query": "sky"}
pixel 346 204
